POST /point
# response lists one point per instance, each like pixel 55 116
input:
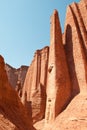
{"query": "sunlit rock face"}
pixel 67 72
pixel 35 84
pixel 13 115
pixel 58 83
pixel 54 93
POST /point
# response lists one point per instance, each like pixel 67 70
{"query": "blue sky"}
pixel 25 27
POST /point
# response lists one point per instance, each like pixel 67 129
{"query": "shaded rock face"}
pixel 13 114
pixel 35 84
pixel 16 77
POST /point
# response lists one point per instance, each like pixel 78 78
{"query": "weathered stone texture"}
pixel 74 117
pixel 75 46
pixel 12 75
pixel 58 81
pixel 15 75
pixel 75 41
pixel 13 114
pixel 56 75
pixel 83 9
pixel 35 84
pixel 64 75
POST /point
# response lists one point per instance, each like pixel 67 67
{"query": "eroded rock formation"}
pixel 75 44
pixel 13 115
pixel 74 117
pixel 16 77
pixel 58 78
pixel 35 84
pixel 58 83
pixel 55 87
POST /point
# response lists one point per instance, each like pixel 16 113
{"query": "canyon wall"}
pixel 64 74
pixel 75 45
pixel 75 36
pixel 13 115
pixel 55 87
pixel 35 84
pixel 16 77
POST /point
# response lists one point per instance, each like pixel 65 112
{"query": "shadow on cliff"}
pixel 29 109
pixel 41 115
pixel 15 116
pixel 82 36
pixel 70 61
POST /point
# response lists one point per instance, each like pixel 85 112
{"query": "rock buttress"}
pixel 75 36
pixel 58 80
pixel 35 84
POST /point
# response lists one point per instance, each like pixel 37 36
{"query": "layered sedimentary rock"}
pixel 16 77
pixel 12 75
pixel 35 84
pixel 75 43
pixel 58 81
pixel 56 75
pixel 13 115
pixel 75 36
pixel 75 46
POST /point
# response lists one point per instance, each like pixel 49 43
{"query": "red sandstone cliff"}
pixel 15 75
pixel 13 115
pixel 75 36
pixel 74 117
pixel 75 44
pixel 35 84
pixel 58 80
pixel 65 66
pixel 56 76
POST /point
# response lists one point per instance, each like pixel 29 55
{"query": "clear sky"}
pixel 25 27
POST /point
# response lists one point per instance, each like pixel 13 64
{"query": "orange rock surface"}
pixel 15 75
pixel 74 116
pixel 58 80
pixel 55 88
pixel 75 36
pixel 13 115
pixel 35 84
